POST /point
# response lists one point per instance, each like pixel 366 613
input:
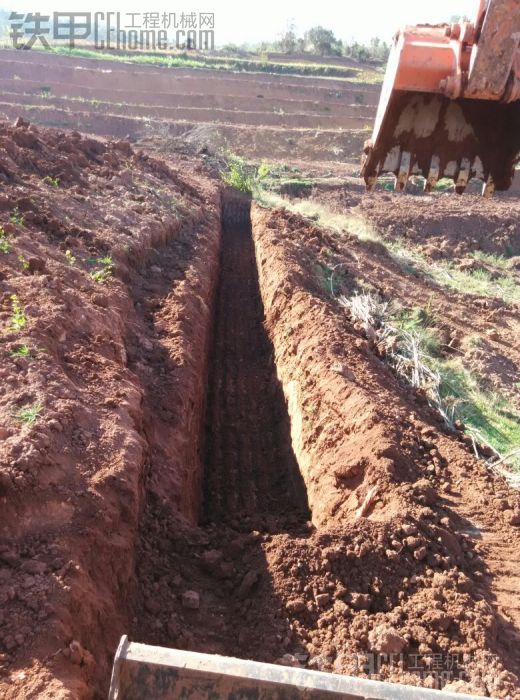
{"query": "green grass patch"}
pixel 291 186
pixel 5 246
pixel 409 259
pixel 18 319
pixel 487 415
pixel 479 282
pixel 104 271
pixel 21 351
pixel 322 216
pixel 499 262
pixel 28 415
pixel 412 347
pixel 422 324
pixel 230 63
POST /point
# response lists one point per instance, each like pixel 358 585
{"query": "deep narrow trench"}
pixel 252 490
pixel 251 476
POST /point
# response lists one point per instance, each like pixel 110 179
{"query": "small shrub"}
pixel 23 262
pixel 53 181
pixel 17 217
pixel 331 278
pixel 18 318
pixel 263 170
pixel 239 174
pixel 21 351
pixel 242 175
pixel 5 246
pixel 105 272
pixel 71 259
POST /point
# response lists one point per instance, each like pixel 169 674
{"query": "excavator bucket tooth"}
pixel 488 188
pixel 404 172
pixel 463 176
pixel 459 139
pixel 371 183
pixel 433 174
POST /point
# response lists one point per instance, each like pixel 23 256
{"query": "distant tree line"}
pixel 323 42
pixel 319 41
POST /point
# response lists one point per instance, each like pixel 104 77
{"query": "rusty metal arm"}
pixel 494 72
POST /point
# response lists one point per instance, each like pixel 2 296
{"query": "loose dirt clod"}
pixel 190 600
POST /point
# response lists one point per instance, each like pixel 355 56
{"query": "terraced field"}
pixel 294 117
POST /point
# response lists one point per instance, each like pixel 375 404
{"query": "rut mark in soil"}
pixel 252 478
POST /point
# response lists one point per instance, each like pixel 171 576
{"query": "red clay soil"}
pixel 447 226
pixel 115 75
pixel 72 481
pixel 158 136
pixel 174 97
pixel 346 120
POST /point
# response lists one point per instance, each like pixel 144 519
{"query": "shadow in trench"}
pixel 252 478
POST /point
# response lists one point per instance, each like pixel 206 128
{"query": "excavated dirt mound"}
pixel 72 471
pixel 373 456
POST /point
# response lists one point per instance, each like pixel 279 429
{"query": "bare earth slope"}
pixel 72 475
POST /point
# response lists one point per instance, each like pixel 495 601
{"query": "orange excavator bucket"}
pixel 450 103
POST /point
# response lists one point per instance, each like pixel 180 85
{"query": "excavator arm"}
pixel 450 103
